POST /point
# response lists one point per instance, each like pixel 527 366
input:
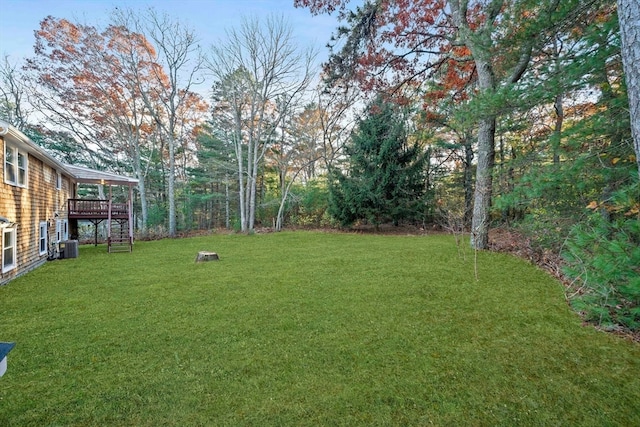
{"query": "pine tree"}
pixel 384 178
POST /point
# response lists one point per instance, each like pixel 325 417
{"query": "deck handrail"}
pixel 93 207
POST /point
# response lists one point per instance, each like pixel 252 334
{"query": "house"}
pixel 39 207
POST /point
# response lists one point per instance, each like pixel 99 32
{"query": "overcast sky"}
pixel 208 18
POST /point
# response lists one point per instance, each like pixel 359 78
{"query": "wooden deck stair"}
pixel 118 239
pixel 119 233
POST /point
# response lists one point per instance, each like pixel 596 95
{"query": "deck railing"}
pixel 84 208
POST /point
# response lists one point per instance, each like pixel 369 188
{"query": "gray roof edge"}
pixel 14 132
pixel 79 173
pixel 93 176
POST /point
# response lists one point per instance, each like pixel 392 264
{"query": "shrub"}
pixel 603 258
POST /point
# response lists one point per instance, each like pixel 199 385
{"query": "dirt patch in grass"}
pixel 513 242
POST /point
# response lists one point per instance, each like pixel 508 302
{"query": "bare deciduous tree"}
pixel 256 65
pixel 170 100
pixel 13 95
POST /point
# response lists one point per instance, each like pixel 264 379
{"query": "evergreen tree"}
pixel 384 178
pixel 211 188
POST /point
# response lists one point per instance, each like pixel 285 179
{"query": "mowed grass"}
pixel 305 329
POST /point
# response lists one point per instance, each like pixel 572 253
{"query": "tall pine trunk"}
pixel 629 17
pixel 558 107
pixel 486 150
pixel 479 42
pixel 484 183
pixel 468 181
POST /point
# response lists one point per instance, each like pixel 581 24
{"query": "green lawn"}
pixel 305 329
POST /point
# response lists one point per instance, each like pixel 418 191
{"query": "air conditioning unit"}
pixel 69 249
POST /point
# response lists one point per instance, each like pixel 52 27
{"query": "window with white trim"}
pixel 62 230
pixel 42 238
pixel 58 181
pixel 58 230
pixel 22 169
pixel 16 164
pixel 8 249
pixel 65 229
pixel 9 165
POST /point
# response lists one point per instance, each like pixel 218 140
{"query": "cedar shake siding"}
pixel 35 192
pixel 32 202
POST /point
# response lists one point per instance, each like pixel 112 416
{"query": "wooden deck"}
pixel 97 209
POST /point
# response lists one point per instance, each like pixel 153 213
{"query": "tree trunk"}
pixel 486 153
pixel 629 17
pixel 280 215
pixel 227 210
pixel 558 107
pixel 142 188
pixel 479 42
pixel 557 130
pixel 240 163
pixel 252 201
pixel 284 192
pixel 286 187
pixel 171 187
pixel 468 181
pixel 255 164
pixel 249 200
pixel 144 209
pixel 484 183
